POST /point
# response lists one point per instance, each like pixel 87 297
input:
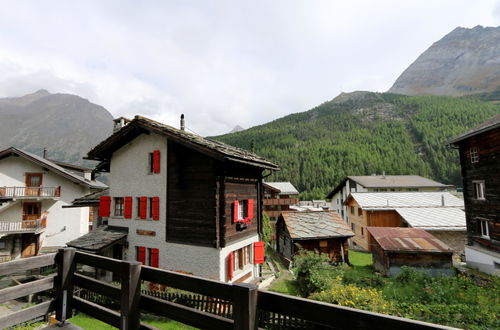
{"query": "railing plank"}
pixel 25 289
pixel 113 265
pixel 100 287
pixel 184 314
pixel 188 282
pixel 101 313
pixel 22 265
pixel 335 316
pixel 27 314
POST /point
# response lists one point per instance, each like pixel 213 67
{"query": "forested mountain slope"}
pixel 363 133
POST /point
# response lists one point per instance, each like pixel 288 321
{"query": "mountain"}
pixel 363 133
pixel 237 129
pixel 465 61
pixel 68 126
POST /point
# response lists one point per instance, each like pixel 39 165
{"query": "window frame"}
pixel 474 155
pixel 242 258
pixel 151 163
pixel 484 230
pixel 119 206
pixel 479 190
pixel 360 211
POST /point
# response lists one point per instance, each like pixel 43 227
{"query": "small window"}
pixel 474 155
pixel 360 212
pixel 342 213
pixel 479 190
pixel 352 209
pixel 151 207
pixel 353 227
pixel 243 209
pixel 138 207
pixel 242 257
pixel 119 206
pixel 362 231
pixel 483 227
pixel 323 243
pixel 151 162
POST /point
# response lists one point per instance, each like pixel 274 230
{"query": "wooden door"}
pixel 30 245
pixel 31 212
pixel 33 184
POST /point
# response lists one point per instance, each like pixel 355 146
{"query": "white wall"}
pixel 485 261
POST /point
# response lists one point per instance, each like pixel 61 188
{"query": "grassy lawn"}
pixel 87 322
pixel 360 258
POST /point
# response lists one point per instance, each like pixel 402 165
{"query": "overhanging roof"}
pixel 434 218
pixel 284 188
pixel 395 239
pixel 315 225
pixel 482 128
pixel 97 239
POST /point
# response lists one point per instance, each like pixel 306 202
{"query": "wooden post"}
pixel 64 292
pixel 131 294
pixel 245 306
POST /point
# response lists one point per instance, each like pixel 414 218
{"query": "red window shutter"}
pixel 235 211
pixel 142 255
pixel 258 252
pixel 156 208
pixel 144 207
pixel 155 257
pixel 230 265
pixel 104 206
pixel 128 208
pixel 250 209
pixel 156 161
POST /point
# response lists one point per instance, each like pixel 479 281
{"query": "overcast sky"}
pixel 221 63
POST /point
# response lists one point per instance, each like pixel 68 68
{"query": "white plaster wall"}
pixel 129 176
pixel 63 225
pixel 223 257
pixel 482 260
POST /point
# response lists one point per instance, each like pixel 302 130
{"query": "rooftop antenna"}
pixel 182 122
pixel 442 200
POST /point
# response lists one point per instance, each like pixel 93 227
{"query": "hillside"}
pixel 465 61
pixel 363 133
pixel 68 126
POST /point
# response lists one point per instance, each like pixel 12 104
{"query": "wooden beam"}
pixel 245 306
pixel 113 265
pixel 101 287
pixel 21 265
pixel 101 313
pixel 27 314
pixel 25 289
pixel 64 295
pixel 130 295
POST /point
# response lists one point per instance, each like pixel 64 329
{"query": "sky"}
pixel 221 63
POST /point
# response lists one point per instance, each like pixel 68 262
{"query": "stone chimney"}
pixel 442 200
pixel 119 123
pixel 182 122
pixel 45 153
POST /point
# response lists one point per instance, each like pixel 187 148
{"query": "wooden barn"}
pixel 323 231
pixel 396 247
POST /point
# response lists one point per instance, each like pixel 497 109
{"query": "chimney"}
pixel 387 202
pixel 442 200
pixel 45 153
pixel 182 122
pixel 383 174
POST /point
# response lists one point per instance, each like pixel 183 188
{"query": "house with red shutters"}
pixel 180 202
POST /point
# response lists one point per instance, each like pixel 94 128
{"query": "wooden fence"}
pixel 248 302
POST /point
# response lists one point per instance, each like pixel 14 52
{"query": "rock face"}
pixel 236 129
pixel 68 126
pixel 465 61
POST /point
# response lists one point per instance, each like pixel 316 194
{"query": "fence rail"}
pixel 13 192
pixel 22 225
pixel 250 308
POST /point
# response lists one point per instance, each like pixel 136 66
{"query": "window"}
pixel 147 256
pixel 154 162
pixel 479 190
pixel 483 227
pixel 360 212
pixel 242 257
pixel 151 207
pixel 342 213
pixel 243 211
pixel 138 199
pixel 119 206
pixel 362 231
pixel 474 155
pixel 352 209
pixel 353 227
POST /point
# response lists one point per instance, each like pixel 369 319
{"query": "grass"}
pixel 87 322
pixel 285 284
pixel 360 258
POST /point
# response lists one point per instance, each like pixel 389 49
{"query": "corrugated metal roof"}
pixel 481 128
pixel 397 239
pixel 395 181
pixel 434 218
pixel 285 188
pixel 393 200
pixel 315 225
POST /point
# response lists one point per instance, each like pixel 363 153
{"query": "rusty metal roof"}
pixel 315 225
pixel 395 239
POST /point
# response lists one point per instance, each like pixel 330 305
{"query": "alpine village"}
pixel 369 211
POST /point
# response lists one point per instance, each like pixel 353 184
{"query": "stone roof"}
pixel 97 239
pixel 91 199
pixel 211 147
pixel 484 127
pixel 284 188
pixel 315 225
pixel 395 239
pixel 434 218
pixel 394 200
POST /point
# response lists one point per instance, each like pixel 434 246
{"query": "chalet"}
pixel 323 231
pixel 33 193
pixel 438 212
pixel 182 202
pixel 413 247
pixel 278 197
pixel 379 183
pixel 479 150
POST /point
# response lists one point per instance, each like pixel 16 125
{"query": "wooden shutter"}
pixel 128 208
pixel 156 161
pixel 141 255
pixel 144 207
pixel 230 265
pixel 258 252
pixel 250 209
pixel 235 211
pixel 104 206
pixel 155 257
pixel 156 208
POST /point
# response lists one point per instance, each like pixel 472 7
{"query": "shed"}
pixel 396 247
pixel 323 231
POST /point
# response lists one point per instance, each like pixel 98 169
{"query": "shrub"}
pixel 310 268
pixel 267 229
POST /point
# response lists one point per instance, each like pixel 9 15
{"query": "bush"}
pixel 310 270
pixel 267 229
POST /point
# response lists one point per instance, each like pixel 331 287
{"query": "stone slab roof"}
pixel 97 239
pixel 395 239
pixel 91 199
pixel 315 225
pixel 434 218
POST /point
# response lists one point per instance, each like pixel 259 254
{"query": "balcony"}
pixel 30 192
pixel 280 201
pixel 24 226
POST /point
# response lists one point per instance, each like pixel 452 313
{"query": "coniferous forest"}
pixel 365 133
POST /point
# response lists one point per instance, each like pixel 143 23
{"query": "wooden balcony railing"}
pixel 22 226
pixel 248 302
pixel 16 192
pixel 280 201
